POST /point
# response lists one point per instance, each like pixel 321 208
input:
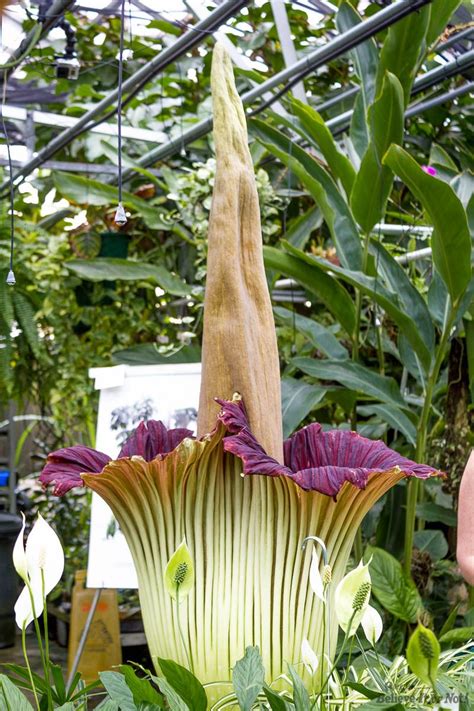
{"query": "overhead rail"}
pixel 46 118
pixel 444 71
pixel 168 56
pixel 425 81
pixel 338 46
pixel 51 19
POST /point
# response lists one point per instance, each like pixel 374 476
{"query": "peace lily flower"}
pixel 352 598
pixel 40 565
pixel 241 498
pixel 372 624
pixel 309 657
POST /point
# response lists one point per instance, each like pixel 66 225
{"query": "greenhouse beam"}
pixel 57 9
pixel 441 99
pixel 425 81
pixel 338 46
pixel 168 56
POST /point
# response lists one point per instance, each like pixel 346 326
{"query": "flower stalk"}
pixel 239 348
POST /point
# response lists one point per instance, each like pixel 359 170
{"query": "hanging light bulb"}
pixel 120 216
pixel 11 281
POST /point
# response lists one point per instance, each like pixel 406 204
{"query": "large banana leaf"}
pixel 299 230
pixel 451 241
pixel 374 180
pixel 297 400
pixel 86 191
pixel 316 333
pixel 112 269
pixel 322 187
pixel 401 51
pixel 395 417
pixel 441 13
pixel 315 280
pixel 366 58
pixel 373 288
pixel 354 376
pixel 409 297
pixel 340 165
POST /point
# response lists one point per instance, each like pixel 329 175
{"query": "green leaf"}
pixel 374 180
pixel 299 230
pixel 322 187
pixel 359 134
pixel 179 573
pixel 395 417
pixel 353 376
pixel 402 49
pixel 362 689
pixel 165 26
pixel 451 241
pixel 25 315
pixel 393 589
pixel 340 165
pixel 438 156
pixel 116 687
pixel 450 620
pixel 108 705
pixel 189 689
pixel 318 335
pixel 86 245
pixel 174 700
pixel 300 695
pixel 315 280
pixel 441 13
pixel 148 354
pixel 434 513
pixel 372 287
pixel 275 701
pixel 408 295
pixel 458 636
pixel 366 58
pixel 115 269
pixel 85 191
pixel 423 652
pixel 59 682
pixel 297 400
pixel 142 689
pixel 248 677
pixel 11 698
pixel 433 542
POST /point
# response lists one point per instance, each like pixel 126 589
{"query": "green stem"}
pixel 180 630
pixel 358 544
pixel 44 662
pixel 27 662
pixel 414 483
pixel 338 658
pixel 46 635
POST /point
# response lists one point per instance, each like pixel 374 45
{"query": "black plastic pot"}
pixel 10 526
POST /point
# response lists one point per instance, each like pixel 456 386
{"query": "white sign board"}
pixel 129 395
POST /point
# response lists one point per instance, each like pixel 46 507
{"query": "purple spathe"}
pixel 313 459
pixel 64 467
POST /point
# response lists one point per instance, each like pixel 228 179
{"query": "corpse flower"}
pixel 241 499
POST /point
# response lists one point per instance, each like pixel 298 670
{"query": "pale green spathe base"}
pixel 245 536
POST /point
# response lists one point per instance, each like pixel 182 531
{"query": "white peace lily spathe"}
pixel 352 598
pixel 40 565
pixel 372 625
pixel 309 657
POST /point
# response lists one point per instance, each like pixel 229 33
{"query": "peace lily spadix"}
pixel 40 565
pixel 241 498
